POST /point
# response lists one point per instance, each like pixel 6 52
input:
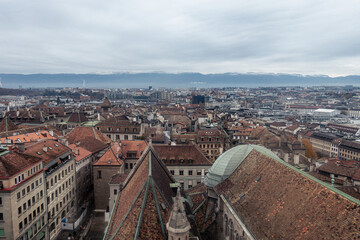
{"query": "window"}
pixel 24 206
pixel 198 172
pixel 115 191
pixel 20 226
pixel 126 137
pixel 226 226
pixel 172 172
pixel 190 184
pixel 0 201
pixel 23 192
pixel 99 174
pixel 190 172
pixel 182 183
pixel 2 233
pixel 28 189
pixel 19 210
pixel 1 217
pixel 181 172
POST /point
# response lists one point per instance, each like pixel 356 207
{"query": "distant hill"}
pixel 172 80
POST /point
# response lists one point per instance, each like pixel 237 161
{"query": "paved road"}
pixel 97 228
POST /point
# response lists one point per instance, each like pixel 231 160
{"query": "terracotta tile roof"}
pixel 132 146
pixel 336 167
pixel 79 152
pixel 28 137
pixel 351 190
pixel 116 121
pixel 118 178
pixel 7 125
pixel 202 209
pixel 145 190
pixel 106 103
pixel 276 201
pixel 88 138
pixel 182 155
pixel 77 117
pixel 111 157
pixel 47 150
pixel 14 162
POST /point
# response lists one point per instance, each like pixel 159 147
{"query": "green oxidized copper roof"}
pixel 226 164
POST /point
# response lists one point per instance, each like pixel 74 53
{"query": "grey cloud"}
pixel 302 36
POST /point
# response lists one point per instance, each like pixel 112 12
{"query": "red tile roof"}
pixel 47 150
pixel 279 202
pixel 118 178
pixel 28 137
pixel 14 162
pixel 7 125
pixel 88 138
pixel 145 189
pixel 77 117
pixel 132 146
pixel 111 157
pixel 79 152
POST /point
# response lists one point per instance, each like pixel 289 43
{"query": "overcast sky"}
pixel 85 36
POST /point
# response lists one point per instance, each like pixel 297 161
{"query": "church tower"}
pixel 178 225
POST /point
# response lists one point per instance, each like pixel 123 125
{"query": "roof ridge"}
pixel 158 208
pixel 137 232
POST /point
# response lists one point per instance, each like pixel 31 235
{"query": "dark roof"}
pixel 14 162
pixel 7 125
pixel 77 117
pixel 276 201
pixel 138 207
pixel 336 167
pixel 106 103
pixel 182 155
pixel 118 178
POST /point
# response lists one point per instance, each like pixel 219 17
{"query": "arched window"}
pixel 52 227
pixel 226 225
pixel 231 230
pixel 237 237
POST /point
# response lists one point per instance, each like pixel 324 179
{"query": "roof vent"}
pixel 258 178
pixel 242 195
pixel 163 206
pixel 109 161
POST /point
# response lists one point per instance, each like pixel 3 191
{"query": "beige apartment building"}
pixel 22 197
pixel 186 163
pixel 60 182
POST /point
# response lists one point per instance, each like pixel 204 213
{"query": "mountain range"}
pixel 172 80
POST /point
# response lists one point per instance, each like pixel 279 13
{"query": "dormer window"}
pixel 39 153
pixel 181 161
pixel 56 145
